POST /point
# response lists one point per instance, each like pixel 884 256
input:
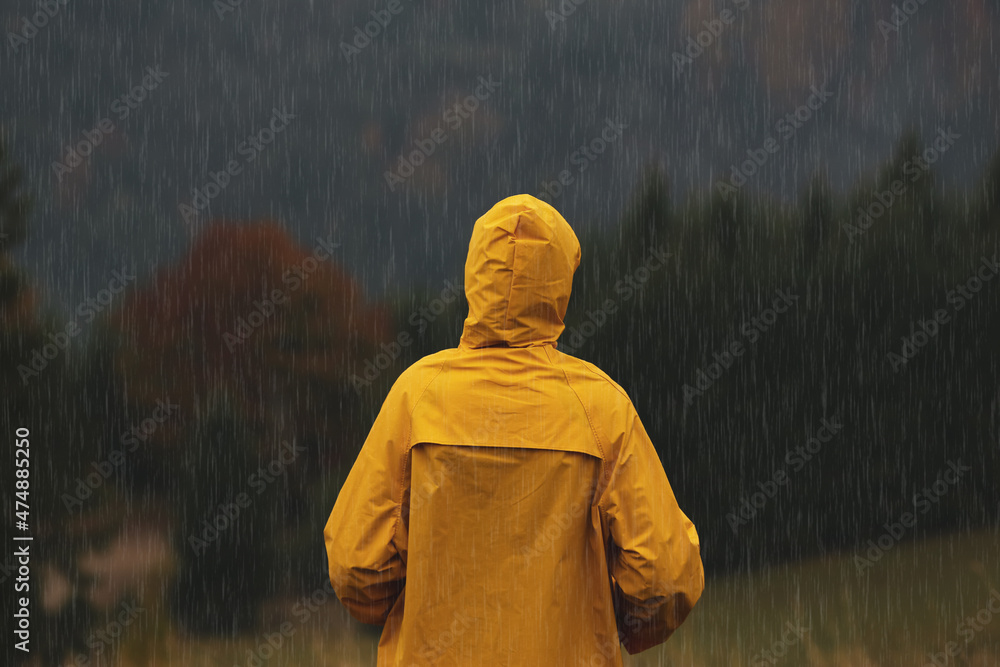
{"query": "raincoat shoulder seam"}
pixel 590 421
pixel 606 464
pixel 603 377
pixel 407 445
pixel 593 370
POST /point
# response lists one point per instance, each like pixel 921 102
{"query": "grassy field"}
pixel 911 602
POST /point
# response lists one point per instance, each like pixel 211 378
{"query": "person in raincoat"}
pixel 508 507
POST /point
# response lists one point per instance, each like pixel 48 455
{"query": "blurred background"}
pixel 227 226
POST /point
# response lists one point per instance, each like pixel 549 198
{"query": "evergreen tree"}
pixel 817 216
pixel 15 205
pixel 725 222
pixel 988 206
pixel 647 218
pixel 223 528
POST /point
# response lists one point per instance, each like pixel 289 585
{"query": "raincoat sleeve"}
pixel 654 552
pixel 365 535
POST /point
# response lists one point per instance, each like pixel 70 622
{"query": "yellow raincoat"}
pixel 508 507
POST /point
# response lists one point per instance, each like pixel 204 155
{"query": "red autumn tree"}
pixel 275 326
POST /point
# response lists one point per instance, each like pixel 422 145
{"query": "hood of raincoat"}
pixel 519 275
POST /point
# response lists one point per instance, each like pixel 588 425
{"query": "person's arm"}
pixel 655 557
pixel 365 535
